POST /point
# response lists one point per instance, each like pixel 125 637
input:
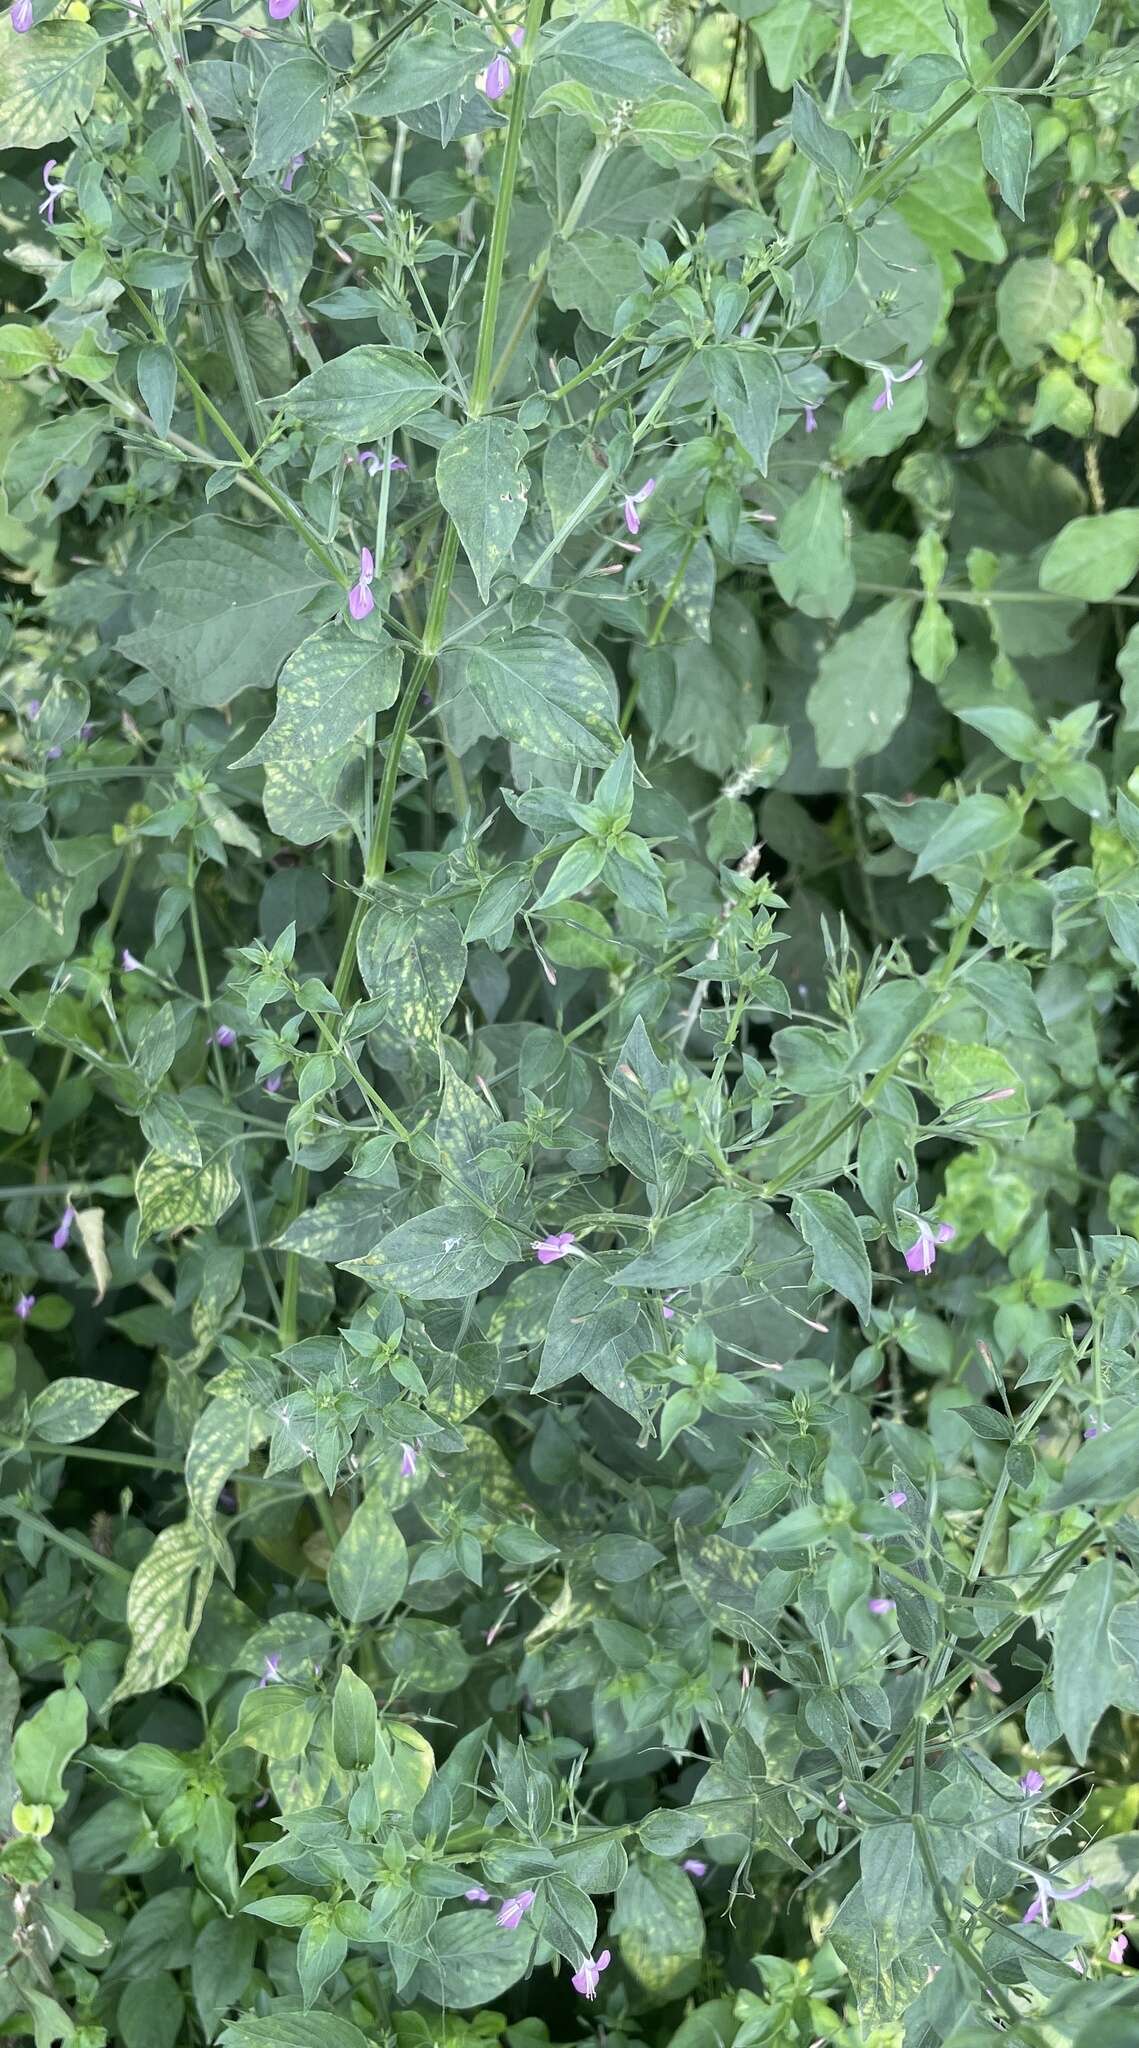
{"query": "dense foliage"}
pixel 569 919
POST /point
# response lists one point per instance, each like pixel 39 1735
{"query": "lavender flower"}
pixel 224 1035
pixel 889 378
pixel 24 1306
pixel 53 187
pixel 666 1308
pixel 273 1084
pixel 897 1497
pixel 61 1235
pixel 695 1866
pixel 271 1674
pixel 35 706
pixel 878 1604
pixel 128 962
pixel 922 1256
pixel 641 497
pixel 280 10
pixel 477 1895
pixel 20 16
pixel 511 1911
pixel 558 1245
pixel 296 163
pixel 1031 1783
pixel 360 599
pixel 498 74
pixel 407 1462
pixel 809 420
pixel 586 1978
pixel 1045 1893
pixel 1117 1947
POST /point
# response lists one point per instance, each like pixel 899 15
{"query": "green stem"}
pixel 496 256
pixel 589 177
pixel 64 1540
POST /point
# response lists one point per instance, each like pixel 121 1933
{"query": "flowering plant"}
pixel 569 923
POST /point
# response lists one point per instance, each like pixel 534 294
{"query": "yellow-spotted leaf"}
pixel 659 1926
pixel 173 1197
pixel 164 1607
pixel 327 688
pixel 414 963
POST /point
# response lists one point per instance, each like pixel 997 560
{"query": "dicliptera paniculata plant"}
pixel 569 935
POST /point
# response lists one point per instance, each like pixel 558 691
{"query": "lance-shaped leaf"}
pixel 327 688
pixel 540 692
pixel 364 394
pixel 481 479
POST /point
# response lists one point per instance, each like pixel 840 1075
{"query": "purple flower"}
pixel 1091 1430
pixel 889 379
pixel 666 1307
pixel 271 1674
pixel 477 1895
pixel 53 753
pixel 280 10
pixel 1045 1893
pixel 878 1604
pixel 86 732
pixel 496 79
pixel 273 1084
pixel 921 1256
pixel 61 1235
pixel 511 1910
pixel 897 1498
pixel 586 1978
pixel 53 187
pixel 360 599
pixel 407 1462
pixel 558 1245
pixel 20 16
pixel 224 1035
pixel 24 1306
pixel 35 706
pixel 695 1866
pixel 368 459
pixel 1117 1947
pixel 296 163
pixel 641 497
pixel 809 420
pixel 1031 1783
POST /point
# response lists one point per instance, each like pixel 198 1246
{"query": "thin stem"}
pixel 500 228
pixel 64 1540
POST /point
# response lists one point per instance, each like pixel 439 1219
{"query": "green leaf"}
pixel 1093 558
pixel 293 2030
pixel 592 274
pixel 156 375
pixel 368 1570
pixel 290 113
pixel 472 1961
pixel 48 81
pixel 594 1330
pixel 45 1743
pixel 816 574
pixel 792 38
pixel 894 1886
pixel 71 1409
pixel 611 58
pixel 165 1604
pixel 828 148
pixel 862 691
pixel 363 395
pixel 677 127
pixel 174 1196
pixel 439 1256
pixel 228 609
pixel 839 1248
pixel 1036 301
pixel 354 1720
pixel 423 69
pixel 1104 1470
pixel 659 1925
pixel 746 385
pixel 1074 19
pixel 539 692
pixel 882 29
pixel 1005 133
pixel 413 962
pixel 23 349
pixel 333 682
pixel 978 824
pixel 695 1244
pixel 481 479
pixel 1084 1672
pixel 638 1136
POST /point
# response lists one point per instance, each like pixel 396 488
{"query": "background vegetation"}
pixel 569 920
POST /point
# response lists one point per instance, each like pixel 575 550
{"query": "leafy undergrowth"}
pixel 569 919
